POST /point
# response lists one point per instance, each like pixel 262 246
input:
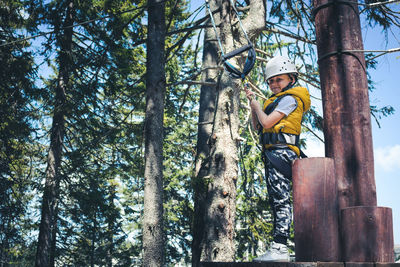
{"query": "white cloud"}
pixel 387 158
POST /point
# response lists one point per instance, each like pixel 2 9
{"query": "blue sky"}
pixel 386 139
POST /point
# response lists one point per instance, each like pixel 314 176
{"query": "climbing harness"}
pixel 251 56
pixel 271 138
pixel 280 138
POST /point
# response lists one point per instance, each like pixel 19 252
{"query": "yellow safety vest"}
pixel 290 124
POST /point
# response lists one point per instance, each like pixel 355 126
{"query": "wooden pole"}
pixel 367 234
pixel 316 224
pixel 347 130
pixel 347 120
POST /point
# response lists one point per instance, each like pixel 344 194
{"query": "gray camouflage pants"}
pixel 279 190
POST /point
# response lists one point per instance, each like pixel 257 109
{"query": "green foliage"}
pixel 254 221
pixel 380 15
pixel 101 193
pixel 19 150
pixel 180 130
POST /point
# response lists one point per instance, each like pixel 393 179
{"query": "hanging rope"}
pixel 379 3
pixel 351 4
pixel 251 56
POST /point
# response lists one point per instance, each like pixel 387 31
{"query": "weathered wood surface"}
pixel 315 204
pixel 344 87
pixel 298 264
pixel 367 234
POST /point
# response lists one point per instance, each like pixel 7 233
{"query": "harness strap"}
pixel 270 138
pixel 238 51
pixel 248 65
pixel 280 138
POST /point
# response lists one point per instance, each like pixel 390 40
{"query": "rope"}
pixel 240 21
pixel 379 3
pixel 342 52
pixel 383 52
pixel 318 8
pixel 349 3
pixel 215 28
pixel 351 52
pixel 251 56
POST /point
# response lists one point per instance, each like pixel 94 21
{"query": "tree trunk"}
pixel 4 247
pixel 54 239
pixel 206 115
pixel 111 220
pixel 217 146
pixel 93 243
pixel 51 190
pixel 110 233
pixel 110 226
pixel 153 243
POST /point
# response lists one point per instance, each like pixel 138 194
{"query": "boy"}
pixel 280 122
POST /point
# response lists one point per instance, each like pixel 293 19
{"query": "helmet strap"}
pixel 291 84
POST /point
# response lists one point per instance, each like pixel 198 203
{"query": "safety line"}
pixel 215 27
pixel 351 53
pixel 392 50
pixel 379 3
pixel 349 3
pixel 343 52
pixel 330 3
pixel 240 21
pixel 383 52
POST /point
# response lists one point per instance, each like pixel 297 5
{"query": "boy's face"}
pixel 279 82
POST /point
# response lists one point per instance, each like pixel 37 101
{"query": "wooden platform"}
pixel 298 264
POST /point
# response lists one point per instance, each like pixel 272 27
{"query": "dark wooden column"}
pixel 347 119
pixel 367 234
pixel 315 204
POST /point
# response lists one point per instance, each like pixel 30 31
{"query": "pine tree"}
pixel 216 166
pixel 153 241
pixel 101 173
pixel 19 151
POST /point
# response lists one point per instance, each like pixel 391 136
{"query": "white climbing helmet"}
pixel 279 65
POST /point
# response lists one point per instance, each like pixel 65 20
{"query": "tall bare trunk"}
pixel 217 147
pixel 111 220
pixel 110 226
pixel 47 229
pixel 206 115
pixel 153 243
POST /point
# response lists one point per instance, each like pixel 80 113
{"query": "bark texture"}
pixel 347 119
pixel 217 146
pixel 153 243
pixel 48 225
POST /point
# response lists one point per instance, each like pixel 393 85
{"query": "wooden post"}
pixel 367 234
pixel 315 204
pixel 347 130
pixel 347 119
